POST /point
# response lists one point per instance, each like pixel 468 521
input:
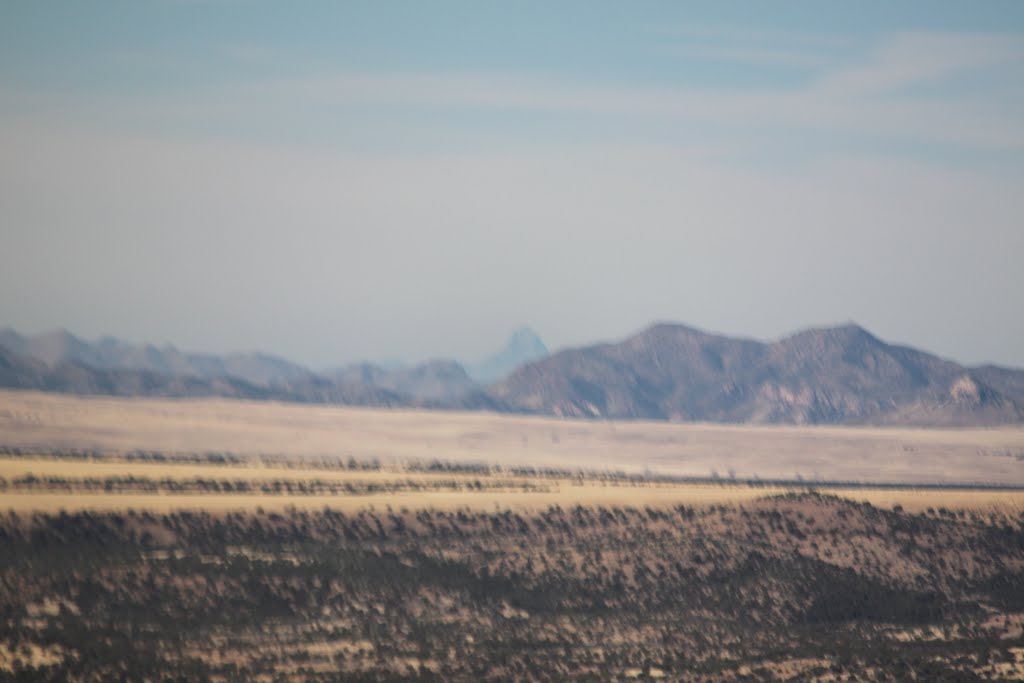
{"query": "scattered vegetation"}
pixel 411 466
pixel 795 587
pixel 271 487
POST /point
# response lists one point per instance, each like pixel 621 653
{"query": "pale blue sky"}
pixel 332 181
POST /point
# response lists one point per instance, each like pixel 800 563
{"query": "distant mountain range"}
pixel 60 361
pixel 110 353
pixel 837 375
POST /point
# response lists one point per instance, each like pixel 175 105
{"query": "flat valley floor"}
pixel 856 454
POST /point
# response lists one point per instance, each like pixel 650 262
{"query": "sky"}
pixel 334 181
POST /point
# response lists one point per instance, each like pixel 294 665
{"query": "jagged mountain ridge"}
pixel 20 372
pixel 110 353
pixel 60 361
pixel 433 380
pixel 838 375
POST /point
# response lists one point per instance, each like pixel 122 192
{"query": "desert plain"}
pixel 530 462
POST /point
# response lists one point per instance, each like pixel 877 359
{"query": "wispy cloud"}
pixel 305 183
pixel 737 34
pixel 869 95
pixel 844 98
pixel 756 46
pixel 918 58
pixel 772 56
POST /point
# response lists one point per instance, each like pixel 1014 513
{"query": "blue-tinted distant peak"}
pixel 523 346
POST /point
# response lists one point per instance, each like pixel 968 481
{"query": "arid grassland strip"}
pixel 480 469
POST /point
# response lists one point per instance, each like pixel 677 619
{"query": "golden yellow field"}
pixel 42 467
pixel 565 496
pixel 42 422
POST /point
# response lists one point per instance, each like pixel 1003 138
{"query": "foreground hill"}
pixel 799 587
pixel 829 375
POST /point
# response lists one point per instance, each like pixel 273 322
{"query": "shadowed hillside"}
pixel 800 587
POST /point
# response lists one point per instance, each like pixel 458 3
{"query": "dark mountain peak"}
pixel 850 327
pixel 669 328
pixel 848 333
pixel 671 333
pixel 673 349
pixel 833 347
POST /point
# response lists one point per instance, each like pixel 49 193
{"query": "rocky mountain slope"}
pixel 839 375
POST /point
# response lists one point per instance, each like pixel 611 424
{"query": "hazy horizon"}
pixel 334 182
pixel 396 361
